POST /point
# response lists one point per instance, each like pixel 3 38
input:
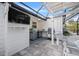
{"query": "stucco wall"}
pixel 13 37
pixel 58 25
pixel 17 37
pixel 33 19
pixel 39 22
pixel 48 24
pixel 3 26
pixel 45 24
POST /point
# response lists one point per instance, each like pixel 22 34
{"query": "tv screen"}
pixel 18 17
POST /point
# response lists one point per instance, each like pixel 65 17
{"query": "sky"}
pixel 43 11
pixel 35 6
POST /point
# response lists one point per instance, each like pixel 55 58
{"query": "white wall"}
pixel 1 29
pixel 33 19
pixel 48 24
pixel 3 26
pixel 58 25
pixel 18 38
pixel 40 24
pixel 13 37
pixel 45 24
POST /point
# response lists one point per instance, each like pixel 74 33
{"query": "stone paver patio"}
pixel 41 47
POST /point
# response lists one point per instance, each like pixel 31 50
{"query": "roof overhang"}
pixel 25 10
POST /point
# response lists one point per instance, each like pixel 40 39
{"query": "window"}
pixel 34 25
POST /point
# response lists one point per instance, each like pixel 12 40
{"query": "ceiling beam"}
pixel 32 9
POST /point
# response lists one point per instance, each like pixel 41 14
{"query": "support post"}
pixel 52 32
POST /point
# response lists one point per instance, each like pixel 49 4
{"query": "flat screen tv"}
pixel 18 17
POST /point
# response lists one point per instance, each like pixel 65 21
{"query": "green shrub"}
pixel 66 33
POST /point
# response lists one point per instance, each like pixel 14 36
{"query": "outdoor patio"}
pixel 41 47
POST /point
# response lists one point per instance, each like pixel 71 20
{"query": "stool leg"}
pixel 57 42
pixel 65 49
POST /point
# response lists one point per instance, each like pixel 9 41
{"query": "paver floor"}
pixel 41 47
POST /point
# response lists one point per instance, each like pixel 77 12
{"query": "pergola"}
pixel 56 9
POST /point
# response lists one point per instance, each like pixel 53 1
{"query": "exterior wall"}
pixel 3 26
pixel 58 25
pixel 48 24
pixel 13 37
pixel 33 19
pixel 45 24
pixel 41 24
pixel 18 37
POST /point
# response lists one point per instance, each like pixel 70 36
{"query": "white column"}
pixel 3 26
pixel 52 32
pixel 57 42
pixel 6 26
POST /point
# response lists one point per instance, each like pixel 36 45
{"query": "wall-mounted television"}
pixel 18 17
